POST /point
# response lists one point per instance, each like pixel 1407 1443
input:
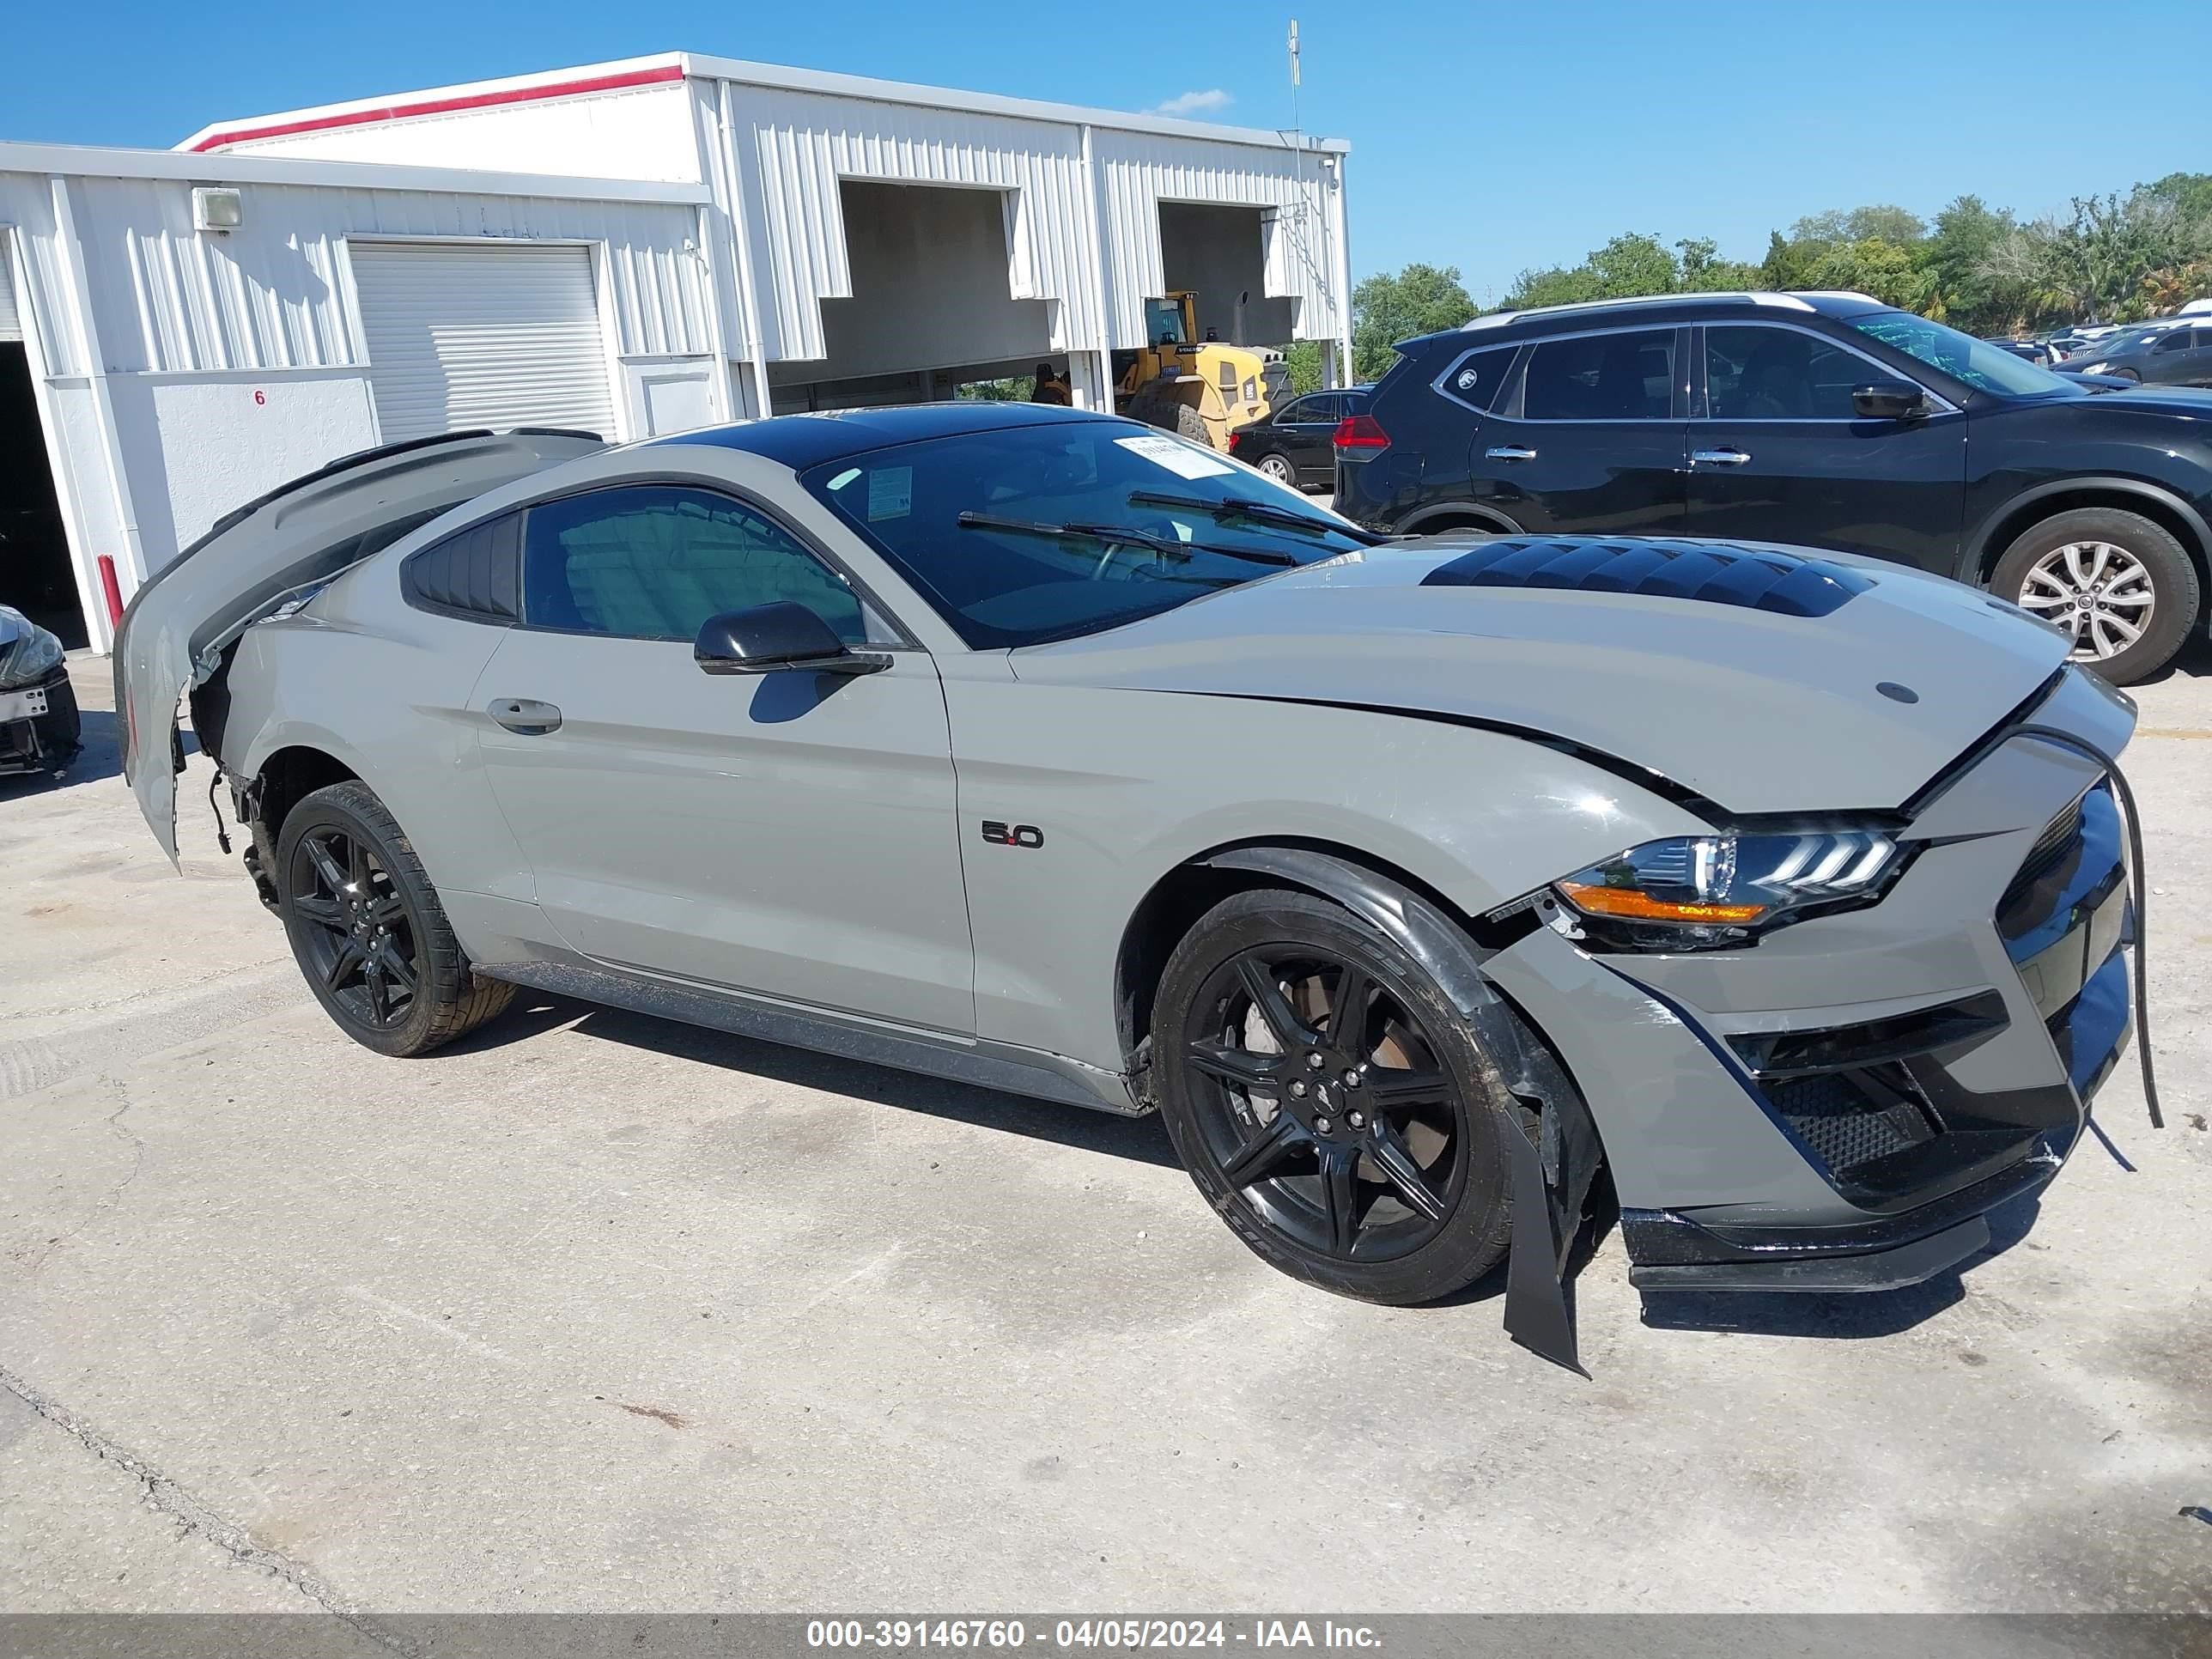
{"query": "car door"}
pixel 2195 366
pixel 1778 451
pixel 791 834
pixel 1590 437
pixel 2171 359
pixel 1311 430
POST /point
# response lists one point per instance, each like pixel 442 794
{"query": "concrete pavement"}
pixel 596 1312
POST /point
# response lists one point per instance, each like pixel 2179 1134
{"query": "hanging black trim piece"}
pixel 1553 1172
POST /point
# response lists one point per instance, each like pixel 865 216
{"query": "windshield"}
pixel 2112 345
pixel 1009 532
pixel 1979 364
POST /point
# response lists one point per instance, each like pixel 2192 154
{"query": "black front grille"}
pixel 1850 1119
pixel 2050 846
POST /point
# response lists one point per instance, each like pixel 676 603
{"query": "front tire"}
pixel 1330 1101
pixel 2120 583
pixel 367 931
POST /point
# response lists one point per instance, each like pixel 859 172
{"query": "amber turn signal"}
pixel 1633 905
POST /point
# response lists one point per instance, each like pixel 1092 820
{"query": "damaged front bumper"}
pixel 1839 1107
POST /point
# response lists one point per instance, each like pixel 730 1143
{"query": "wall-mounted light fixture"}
pixel 217 207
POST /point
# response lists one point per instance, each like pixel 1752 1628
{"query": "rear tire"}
pixel 2101 572
pixel 1395 1188
pixel 367 931
pixel 1190 423
pixel 1277 465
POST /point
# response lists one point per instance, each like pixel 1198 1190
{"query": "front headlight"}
pixel 30 653
pixel 1697 892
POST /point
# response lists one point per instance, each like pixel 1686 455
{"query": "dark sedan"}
pixel 1294 445
pixel 2164 354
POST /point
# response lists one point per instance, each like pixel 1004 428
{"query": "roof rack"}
pixel 1781 301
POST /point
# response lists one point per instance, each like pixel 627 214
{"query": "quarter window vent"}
pixel 474 574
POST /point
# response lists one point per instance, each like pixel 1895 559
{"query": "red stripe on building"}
pixel 644 77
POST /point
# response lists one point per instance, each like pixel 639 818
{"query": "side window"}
pixel 1323 406
pixel 2174 339
pixel 1474 381
pixel 1754 373
pixel 655 562
pixel 1601 377
pixel 474 575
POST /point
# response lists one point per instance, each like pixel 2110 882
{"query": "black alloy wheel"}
pixel 360 941
pixel 1331 1103
pixel 367 930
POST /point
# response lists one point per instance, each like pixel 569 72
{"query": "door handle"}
pixel 1728 457
pixel 1509 453
pixel 526 715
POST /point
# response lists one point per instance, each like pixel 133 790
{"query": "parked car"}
pixel 2071 342
pixel 1410 881
pixel 2157 354
pixel 2089 382
pixel 2034 351
pixel 1295 444
pixel 39 726
pixel 1828 420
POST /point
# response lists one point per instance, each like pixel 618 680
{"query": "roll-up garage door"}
pixel 11 325
pixel 496 337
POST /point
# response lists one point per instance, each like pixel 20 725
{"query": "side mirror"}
pixel 1889 400
pixel 763 638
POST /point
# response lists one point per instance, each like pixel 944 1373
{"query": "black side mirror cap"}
pixel 1889 400
pixel 763 638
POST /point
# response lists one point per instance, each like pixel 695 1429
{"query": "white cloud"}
pixel 1195 103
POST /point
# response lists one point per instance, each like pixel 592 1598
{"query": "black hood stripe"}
pixel 1710 574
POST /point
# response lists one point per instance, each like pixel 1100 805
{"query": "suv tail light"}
pixel 1357 432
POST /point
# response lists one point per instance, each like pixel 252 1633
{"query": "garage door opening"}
pixel 462 336
pixel 1220 254
pixel 931 305
pixel 36 575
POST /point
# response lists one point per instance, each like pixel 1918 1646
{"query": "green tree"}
pixel 1624 269
pixel 1385 309
pixel 1703 271
pixel 1303 359
pixel 1888 224
pixel 1955 260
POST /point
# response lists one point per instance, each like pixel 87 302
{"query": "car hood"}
pixel 2188 403
pixel 1694 667
pixel 299 536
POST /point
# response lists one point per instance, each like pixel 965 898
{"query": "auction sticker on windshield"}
pixel 890 493
pixel 1178 457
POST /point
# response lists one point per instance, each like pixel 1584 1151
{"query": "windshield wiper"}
pixel 1120 534
pixel 1258 511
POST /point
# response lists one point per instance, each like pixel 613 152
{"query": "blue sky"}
pixel 1490 136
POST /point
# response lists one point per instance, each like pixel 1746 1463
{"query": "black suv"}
pixel 1828 420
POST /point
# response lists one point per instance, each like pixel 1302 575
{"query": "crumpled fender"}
pixel 1552 1173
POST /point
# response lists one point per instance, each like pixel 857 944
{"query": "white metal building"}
pixel 155 373
pixel 634 248
pixel 876 240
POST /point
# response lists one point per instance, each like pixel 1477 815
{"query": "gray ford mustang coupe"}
pixel 1415 883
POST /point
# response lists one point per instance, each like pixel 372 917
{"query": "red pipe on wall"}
pixel 113 589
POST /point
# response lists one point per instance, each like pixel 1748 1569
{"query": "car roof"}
pixel 799 441
pixel 1658 307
